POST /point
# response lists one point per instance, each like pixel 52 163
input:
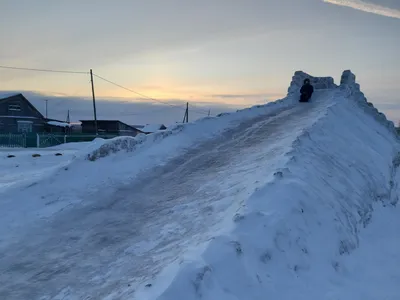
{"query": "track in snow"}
pixel 97 249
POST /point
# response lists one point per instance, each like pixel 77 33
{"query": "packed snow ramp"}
pixel 276 202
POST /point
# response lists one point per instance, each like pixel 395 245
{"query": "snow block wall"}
pixel 318 82
pixel 352 90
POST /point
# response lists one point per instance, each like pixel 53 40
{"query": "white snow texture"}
pixel 280 201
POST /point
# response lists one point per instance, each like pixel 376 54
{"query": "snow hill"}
pixel 286 200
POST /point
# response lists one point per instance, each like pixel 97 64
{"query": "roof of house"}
pixel 59 124
pixel 19 117
pixel 111 121
pixel 149 128
pixel 21 97
pixel 5 95
pixel 103 121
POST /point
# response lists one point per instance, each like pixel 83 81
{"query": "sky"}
pixel 219 55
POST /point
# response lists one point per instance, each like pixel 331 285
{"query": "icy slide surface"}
pixel 286 201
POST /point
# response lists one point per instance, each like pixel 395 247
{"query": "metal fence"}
pixel 43 140
pixel 12 140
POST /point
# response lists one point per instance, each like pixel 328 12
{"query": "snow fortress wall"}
pixel 351 90
pixel 318 82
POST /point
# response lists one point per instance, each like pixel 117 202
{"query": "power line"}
pixel 201 111
pixel 43 70
pixel 132 91
pixel 142 95
pixel 146 112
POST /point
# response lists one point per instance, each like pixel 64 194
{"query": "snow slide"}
pixel 276 203
pixel 313 231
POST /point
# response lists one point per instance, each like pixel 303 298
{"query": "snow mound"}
pixel 129 144
pixel 112 146
pixel 303 235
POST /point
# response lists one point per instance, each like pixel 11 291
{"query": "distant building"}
pixel 18 115
pixel 150 128
pixel 109 127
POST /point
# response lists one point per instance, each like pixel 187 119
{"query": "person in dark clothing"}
pixel 306 91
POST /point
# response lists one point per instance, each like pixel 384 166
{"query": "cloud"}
pixel 247 96
pixel 388 106
pixel 368 7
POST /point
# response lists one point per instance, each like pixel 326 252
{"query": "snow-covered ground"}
pixel 21 167
pixel 282 201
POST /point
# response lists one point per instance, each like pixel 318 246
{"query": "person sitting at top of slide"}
pixel 306 91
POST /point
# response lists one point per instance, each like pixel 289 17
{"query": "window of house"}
pixel 14 107
pixel 24 126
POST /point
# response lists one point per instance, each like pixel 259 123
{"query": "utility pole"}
pixel 186 116
pixel 94 102
pixel 46 100
pixel 187 112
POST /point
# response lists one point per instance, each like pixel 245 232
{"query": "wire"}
pixel 144 96
pixel 104 79
pixel 200 112
pixel 43 70
pixel 146 112
pixel 132 91
pixel 199 109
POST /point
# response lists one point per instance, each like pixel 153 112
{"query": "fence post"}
pixel 37 140
pixel 65 139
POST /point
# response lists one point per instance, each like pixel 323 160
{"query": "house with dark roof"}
pixel 18 115
pixel 150 128
pixel 109 127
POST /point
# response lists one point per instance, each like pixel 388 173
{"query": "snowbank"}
pixel 127 144
pixel 309 231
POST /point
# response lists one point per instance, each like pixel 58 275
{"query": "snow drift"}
pixel 296 237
